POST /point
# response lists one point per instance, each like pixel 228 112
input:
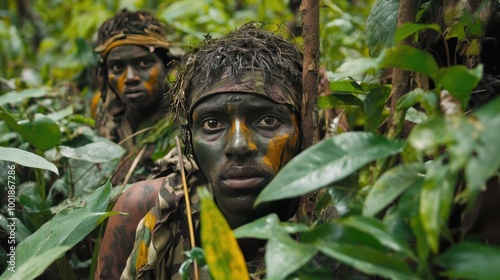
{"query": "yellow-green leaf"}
pixel 222 253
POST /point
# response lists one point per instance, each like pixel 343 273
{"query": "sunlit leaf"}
pixel 36 265
pixel 339 100
pixel 436 199
pixel 390 185
pixel 97 152
pixel 328 161
pixel 26 159
pixel 471 261
pixel 222 253
pixel 265 227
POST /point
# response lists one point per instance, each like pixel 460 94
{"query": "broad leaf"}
pixel 328 161
pixel 486 161
pixel 97 152
pixel 436 199
pixel 222 253
pixel 338 100
pixel 459 81
pixel 390 185
pixel 26 159
pixel 471 261
pixel 381 25
pixel 264 228
pixel 16 97
pixel 284 255
pixel 409 58
pixel 380 232
pixel 66 228
pixel 42 132
pixel 410 28
pixel 37 265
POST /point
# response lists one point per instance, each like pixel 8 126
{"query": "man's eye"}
pixel 268 121
pixel 145 63
pixel 212 124
pixel 116 68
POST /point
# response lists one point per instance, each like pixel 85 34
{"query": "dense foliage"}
pixel 384 199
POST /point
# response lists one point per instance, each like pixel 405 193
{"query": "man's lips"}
pixel 134 93
pixel 244 178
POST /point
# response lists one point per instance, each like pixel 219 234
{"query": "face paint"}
pixel 240 141
pixel 136 75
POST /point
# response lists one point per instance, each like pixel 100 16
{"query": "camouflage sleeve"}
pixel 161 226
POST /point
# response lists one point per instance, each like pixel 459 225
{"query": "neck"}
pixel 136 117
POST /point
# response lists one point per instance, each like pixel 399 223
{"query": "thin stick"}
pixel 188 202
pixel 132 167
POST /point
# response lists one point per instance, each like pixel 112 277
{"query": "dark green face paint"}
pixel 241 140
pixel 136 75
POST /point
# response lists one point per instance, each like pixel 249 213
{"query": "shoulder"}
pixel 142 194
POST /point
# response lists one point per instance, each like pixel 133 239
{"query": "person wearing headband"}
pixel 134 60
pixel 237 99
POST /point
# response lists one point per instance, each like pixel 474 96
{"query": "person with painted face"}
pixel 238 100
pixel 134 60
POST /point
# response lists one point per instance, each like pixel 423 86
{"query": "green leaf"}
pixel 409 58
pixel 410 28
pixel 36 265
pixel 485 162
pixel 61 114
pixel 26 159
pixel 390 185
pixel 429 135
pixel 97 152
pixel 471 261
pixel 459 81
pixel 264 228
pixel 338 100
pixel 67 228
pixel 368 260
pixel 355 67
pixel 43 133
pixel 380 232
pixel 16 97
pixel 222 253
pixel 284 255
pixel 436 199
pixel 328 161
pixel 374 107
pixel 381 25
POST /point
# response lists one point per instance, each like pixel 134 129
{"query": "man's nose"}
pixel 240 141
pixel 131 75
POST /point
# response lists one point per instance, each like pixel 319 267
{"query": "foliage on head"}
pixel 127 22
pixel 249 47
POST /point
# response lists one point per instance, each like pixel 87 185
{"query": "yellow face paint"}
pixel 151 84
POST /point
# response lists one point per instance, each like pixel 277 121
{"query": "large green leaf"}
pixel 66 228
pixel 471 261
pixel 409 58
pixel 222 253
pixel 26 159
pixel 284 255
pixel 15 97
pixel 264 228
pixel 436 199
pixel 41 132
pixel 37 265
pixel 459 81
pixel 410 28
pixel 97 152
pixel 381 25
pixel 380 232
pixel 390 185
pixel 328 161
pixel 486 161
